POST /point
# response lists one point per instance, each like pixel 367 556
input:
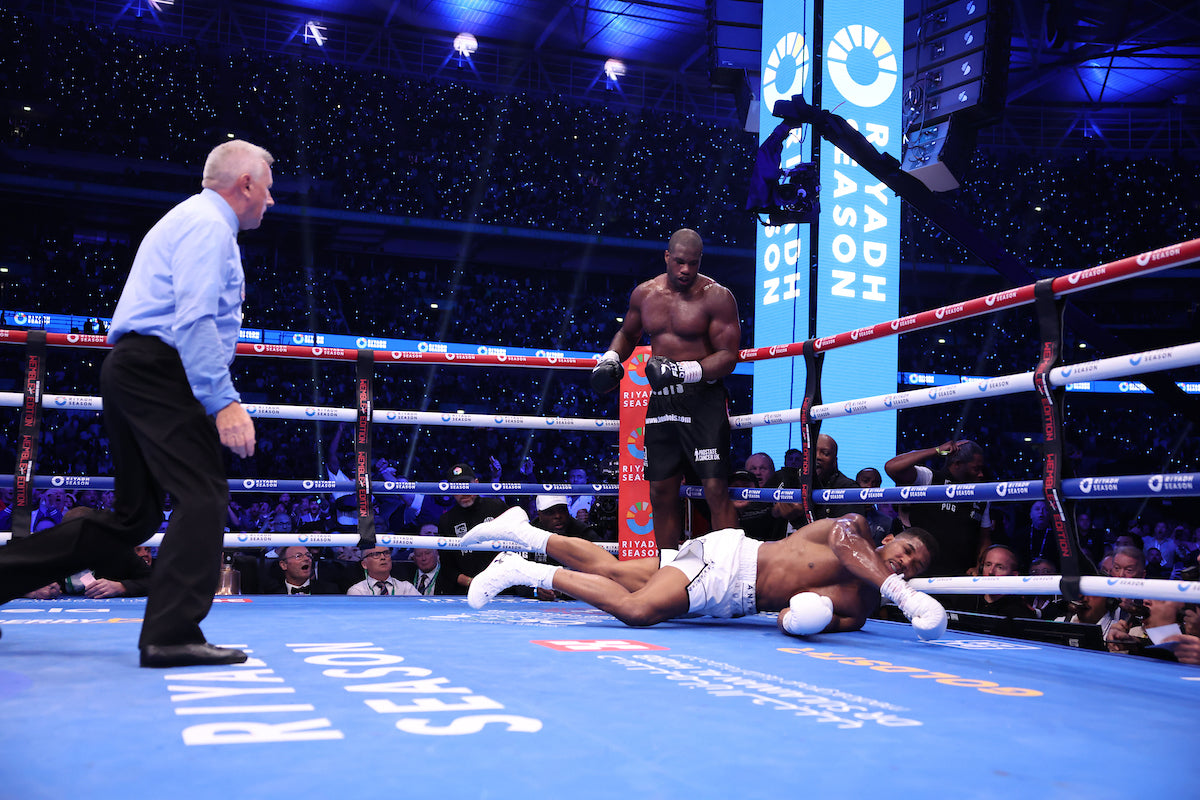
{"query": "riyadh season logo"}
pixel 862 50
pixel 637 369
pixel 634 443
pixel 639 519
pixel 789 58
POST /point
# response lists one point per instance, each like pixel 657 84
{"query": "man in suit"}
pixel 425 570
pixel 296 566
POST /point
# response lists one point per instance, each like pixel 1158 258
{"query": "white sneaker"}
pixel 507 569
pixel 498 529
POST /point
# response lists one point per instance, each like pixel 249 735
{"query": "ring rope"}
pixel 1096 586
pixel 1117 487
pixel 1142 264
pixel 73 402
pixel 234 541
pixel 1147 361
pixel 1077 281
pixel 1184 355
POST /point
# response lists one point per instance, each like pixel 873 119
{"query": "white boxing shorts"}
pixel 722 570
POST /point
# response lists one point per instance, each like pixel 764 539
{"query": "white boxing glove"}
pixel 925 613
pixel 808 613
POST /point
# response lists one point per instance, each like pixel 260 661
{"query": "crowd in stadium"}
pixel 357 140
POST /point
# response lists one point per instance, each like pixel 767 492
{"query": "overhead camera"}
pixel 785 195
pixel 797 194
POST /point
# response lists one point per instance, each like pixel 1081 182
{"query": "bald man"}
pixel 692 322
pixel 826 475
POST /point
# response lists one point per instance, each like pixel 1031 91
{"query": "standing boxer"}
pixel 692 322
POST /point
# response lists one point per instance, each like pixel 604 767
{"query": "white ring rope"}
pixel 1183 484
pixel 235 541
pixel 1184 355
pixel 1095 586
pixel 1147 361
pixel 72 402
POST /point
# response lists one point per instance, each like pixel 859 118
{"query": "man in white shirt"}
pixel 377 563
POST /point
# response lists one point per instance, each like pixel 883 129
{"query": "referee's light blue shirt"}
pixel 186 287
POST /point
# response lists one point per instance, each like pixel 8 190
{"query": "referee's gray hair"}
pixel 230 160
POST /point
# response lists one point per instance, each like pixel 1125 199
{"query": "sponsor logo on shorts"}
pixel 706 454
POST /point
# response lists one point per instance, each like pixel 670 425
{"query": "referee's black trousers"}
pixel 161 441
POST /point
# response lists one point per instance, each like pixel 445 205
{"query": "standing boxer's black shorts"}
pixel 688 424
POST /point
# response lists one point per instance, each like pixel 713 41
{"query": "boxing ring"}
pixel 430 696
pixel 425 695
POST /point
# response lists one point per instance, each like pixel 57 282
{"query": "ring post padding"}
pixel 28 436
pixel 810 428
pixel 1049 315
pixel 364 377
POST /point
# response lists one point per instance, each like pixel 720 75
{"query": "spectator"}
pixel 468 511
pixel 826 475
pixel 425 571
pixel 377 563
pixel 1044 605
pixel 580 504
pixel 1129 562
pixel 881 517
pixel 955 524
pixel 1038 539
pixel 553 515
pixel 762 467
pixel 1000 561
pixel 1090 610
pixel 296 568
pixel 755 517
